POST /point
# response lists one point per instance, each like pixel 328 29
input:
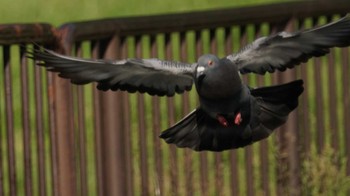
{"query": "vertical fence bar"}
pixel 248 151
pixel 332 101
pixel 95 53
pixel 156 131
pixel 157 146
pixel 40 130
pixel 25 120
pixel 282 163
pixel 142 130
pixel 346 101
pixel 64 137
pixel 171 121
pixel 203 156
pixel 9 120
pixel 319 111
pixel 305 111
pixel 185 110
pixel 51 181
pixel 81 131
pixel 319 102
pixel 263 145
pixel 109 127
pixel 332 98
pixel 129 172
pixel 112 141
pixel 289 133
pixel 2 191
pixel 113 52
pixel 123 46
pixel 53 134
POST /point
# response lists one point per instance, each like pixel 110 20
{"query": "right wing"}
pixel 286 50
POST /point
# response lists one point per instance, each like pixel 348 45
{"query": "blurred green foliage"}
pixel 324 173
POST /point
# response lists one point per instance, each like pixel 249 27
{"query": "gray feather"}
pixel 153 76
pixel 286 50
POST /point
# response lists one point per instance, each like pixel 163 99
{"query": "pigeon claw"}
pixel 238 118
pixel 222 120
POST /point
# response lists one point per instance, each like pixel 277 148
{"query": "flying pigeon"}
pixel 230 114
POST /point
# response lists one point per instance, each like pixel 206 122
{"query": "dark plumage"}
pixel 230 114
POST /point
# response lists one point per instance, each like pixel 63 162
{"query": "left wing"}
pixel 153 76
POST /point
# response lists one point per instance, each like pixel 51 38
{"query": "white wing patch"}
pixel 171 66
pixel 154 63
pixel 248 52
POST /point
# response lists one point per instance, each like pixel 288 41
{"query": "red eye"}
pixel 210 62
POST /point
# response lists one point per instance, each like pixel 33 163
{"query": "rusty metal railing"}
pixel 60 139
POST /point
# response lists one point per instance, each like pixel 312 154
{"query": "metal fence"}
pixel 60 139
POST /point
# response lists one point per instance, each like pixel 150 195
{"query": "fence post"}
pixel 114 173
pixel 64 134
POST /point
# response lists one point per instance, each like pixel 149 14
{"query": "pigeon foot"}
pixel 222 120
pixel 238 118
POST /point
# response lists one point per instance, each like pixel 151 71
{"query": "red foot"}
pixel 222 120
pixel 238 118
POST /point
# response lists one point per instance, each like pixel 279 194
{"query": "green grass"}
pixel 58 12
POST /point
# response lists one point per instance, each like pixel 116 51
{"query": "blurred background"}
pixel 58 12
pixel 62 139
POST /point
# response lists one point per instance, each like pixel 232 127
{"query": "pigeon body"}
pixel 230 114
pixel 218 91
pixel 262 109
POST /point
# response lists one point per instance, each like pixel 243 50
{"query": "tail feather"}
pixel 286 94
pixel 183 133
pixel 201 132
pixel 275 104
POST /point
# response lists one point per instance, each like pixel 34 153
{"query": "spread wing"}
pixel 153 76
pixel 286 50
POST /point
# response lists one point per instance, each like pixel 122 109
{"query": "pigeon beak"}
pixel 200 74
pixel 200 71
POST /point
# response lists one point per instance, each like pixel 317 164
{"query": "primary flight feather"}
pixel 230 114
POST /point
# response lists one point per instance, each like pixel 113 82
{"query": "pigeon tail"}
pixel 199 131
pixel 184 133
pixel 275 103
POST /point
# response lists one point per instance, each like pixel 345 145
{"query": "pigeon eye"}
pixel 210 62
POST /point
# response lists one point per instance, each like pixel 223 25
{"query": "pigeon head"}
pixel 216 78
pixel 205 64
